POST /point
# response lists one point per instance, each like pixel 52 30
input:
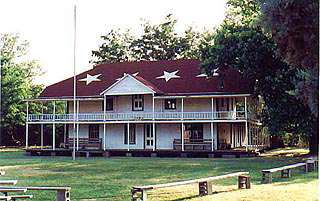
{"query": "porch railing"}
pixel 113 116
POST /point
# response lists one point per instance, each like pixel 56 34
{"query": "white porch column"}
pixel 212 141
pixel 246 126
pixel 41 129
pixel 54 127
pixel 153 125
pixel 128 135
pixel 27 126
pixel 77 113
pixel 182 136
pixel 212 108
pixel 182 108
pixel 104 122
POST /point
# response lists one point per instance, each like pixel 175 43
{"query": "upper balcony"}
pixel 137 116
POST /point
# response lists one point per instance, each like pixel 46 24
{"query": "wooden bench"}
pixel 205 185
pixel 63 193
pixel 285 172
pixel 5 197
pixel 85 143
pixel 201 144
pixel 17 197
pixel 8 182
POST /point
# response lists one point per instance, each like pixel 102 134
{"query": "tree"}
pixel 246 47
pixel 17 85
pixel 294 26
pixel 157 42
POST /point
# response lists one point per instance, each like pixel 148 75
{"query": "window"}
pixel 132 134
pixel 194 132
pixel 137 102
pixel 170 104
pixel 94 131
pixel 109 104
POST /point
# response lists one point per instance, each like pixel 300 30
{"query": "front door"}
pixel 148 136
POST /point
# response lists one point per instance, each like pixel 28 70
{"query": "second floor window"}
pixel 137 102
pixel 170 104
pixel 109 104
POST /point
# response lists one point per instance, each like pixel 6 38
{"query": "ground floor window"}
pixel 132 134
pixel 193 132
pixel 94 131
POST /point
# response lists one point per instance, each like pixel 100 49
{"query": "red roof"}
pixel 186 84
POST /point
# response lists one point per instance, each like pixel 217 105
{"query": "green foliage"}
pixel 157 42
pixel 249 49
pixel 242 13
pixel 294 26
pixel 17 85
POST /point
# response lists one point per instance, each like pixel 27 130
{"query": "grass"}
pixel 112 179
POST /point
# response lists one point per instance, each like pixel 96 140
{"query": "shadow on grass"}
pixel 198 196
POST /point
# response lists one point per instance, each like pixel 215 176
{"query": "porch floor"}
pixel 143 153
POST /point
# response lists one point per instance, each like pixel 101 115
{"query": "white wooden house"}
pixel 153 106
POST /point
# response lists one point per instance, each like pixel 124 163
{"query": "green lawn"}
pixel 112 178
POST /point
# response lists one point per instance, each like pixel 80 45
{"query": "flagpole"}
pixel 74 84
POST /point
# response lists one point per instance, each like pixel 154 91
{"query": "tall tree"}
pixel 294 26
pixel 17 85
pixel 245 46
pixel 157 42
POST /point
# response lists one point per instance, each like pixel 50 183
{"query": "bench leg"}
pixel 144 195
pixel 286 173
pixel 244 182
pixel 63 195
pixel 266 178
pixel 138 194
pixel 205 188
pixel 310 167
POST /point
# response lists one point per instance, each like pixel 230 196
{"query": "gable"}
pixel 127 85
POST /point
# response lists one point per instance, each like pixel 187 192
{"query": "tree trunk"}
pixel 314 139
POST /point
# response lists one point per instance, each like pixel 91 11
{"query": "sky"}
pixel 48 25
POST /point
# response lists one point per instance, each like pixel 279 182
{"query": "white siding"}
pixel 165 135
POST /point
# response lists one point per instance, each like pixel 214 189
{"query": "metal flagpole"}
pixel 74 85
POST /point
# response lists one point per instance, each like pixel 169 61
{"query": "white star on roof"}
pixel 90 78
pixel 168 76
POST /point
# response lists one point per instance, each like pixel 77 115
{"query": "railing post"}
pixel 41 128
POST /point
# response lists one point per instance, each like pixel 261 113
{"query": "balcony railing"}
pixel 136 116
